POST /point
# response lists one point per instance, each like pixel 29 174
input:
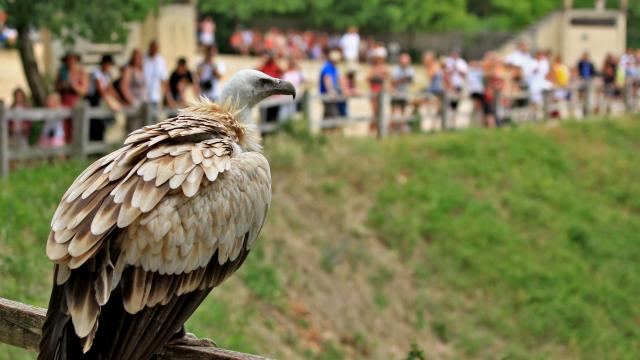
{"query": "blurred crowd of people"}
pixel 144 78
pixel 535 74
pixel 303 44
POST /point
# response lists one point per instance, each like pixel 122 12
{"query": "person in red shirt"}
pixel 270 67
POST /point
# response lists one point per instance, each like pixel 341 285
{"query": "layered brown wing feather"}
pixel 158 220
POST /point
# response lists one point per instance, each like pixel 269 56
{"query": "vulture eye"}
pixel 264 81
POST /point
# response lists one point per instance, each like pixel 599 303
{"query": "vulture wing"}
pixel 145 233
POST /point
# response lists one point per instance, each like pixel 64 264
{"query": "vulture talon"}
pixel 190 339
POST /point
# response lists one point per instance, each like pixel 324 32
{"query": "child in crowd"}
pixel 53 131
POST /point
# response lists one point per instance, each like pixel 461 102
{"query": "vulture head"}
pixel 246 88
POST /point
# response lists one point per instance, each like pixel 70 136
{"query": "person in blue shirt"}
pixel 330 87
pixel 586 70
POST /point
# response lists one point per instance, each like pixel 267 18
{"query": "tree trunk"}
pixel 30 66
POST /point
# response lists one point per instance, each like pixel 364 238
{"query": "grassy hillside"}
pixel 518 243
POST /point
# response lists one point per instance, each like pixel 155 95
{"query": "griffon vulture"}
pixel 146 232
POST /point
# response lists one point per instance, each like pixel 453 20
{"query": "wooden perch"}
pixel 21 324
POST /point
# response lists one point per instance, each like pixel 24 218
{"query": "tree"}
pixel 103 21
pixel 372 15
pixel 405 15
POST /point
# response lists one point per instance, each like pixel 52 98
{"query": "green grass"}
pixel 533 236
pixel 520 243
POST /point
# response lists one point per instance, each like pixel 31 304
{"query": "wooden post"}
pixel 498 112
pixel 80 127
pixel 546 104
pixel 628 95
pixel 149 114
pixel 380 116
pixel 445 110
pixel 4 142
pixel 21 324
pixel 306 110
pixel 588 98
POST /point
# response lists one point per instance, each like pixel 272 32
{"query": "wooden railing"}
pixel 588 98
pixel 21 324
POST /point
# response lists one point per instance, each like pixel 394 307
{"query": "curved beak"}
pixel 284 88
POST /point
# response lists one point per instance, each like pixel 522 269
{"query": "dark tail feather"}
pixel 55 331
pixel 122 335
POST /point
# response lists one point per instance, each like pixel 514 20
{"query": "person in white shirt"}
pixel 401 79
pixel 210 72
pixel 156 76
pixel 536 79
pixel 350 44
pixel 628 63
pixel 521 59
pixel 456 69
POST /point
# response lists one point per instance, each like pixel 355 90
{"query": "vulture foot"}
pixel 189 339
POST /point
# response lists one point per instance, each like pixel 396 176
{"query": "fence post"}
pixel 80 125
pixel 315 125
pixel 588 98
pixel 149 114
pixel 628 95
pixel 445 110
pixel 306 109
pixel 380 116
pixel 498 112
pixel 546 104
pixel 4 141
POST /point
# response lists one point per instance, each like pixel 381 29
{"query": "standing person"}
pixel 72 83
pixel 609 72
pixel 53 131
pixel 330 87
pixel 179 81
pixel 494 84
pixel 628 63
pixel 475 85
pixel 537 79
pixel 19 130
pixel 101 91
pixel 294 75
pixel 271 68
pixel 377 78
pixel 561 77
pixel 435 81
pixel 350 45
pixel 155 76
pixel 207 34
pixel 100 85
pixel 521 60
pixel 209 73
pixel 401 80
pixel 455 69
pixel 132 85
pixel 586 69
pixel 434 72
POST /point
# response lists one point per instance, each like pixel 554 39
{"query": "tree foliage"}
pixel 403 15
pixel 103 20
